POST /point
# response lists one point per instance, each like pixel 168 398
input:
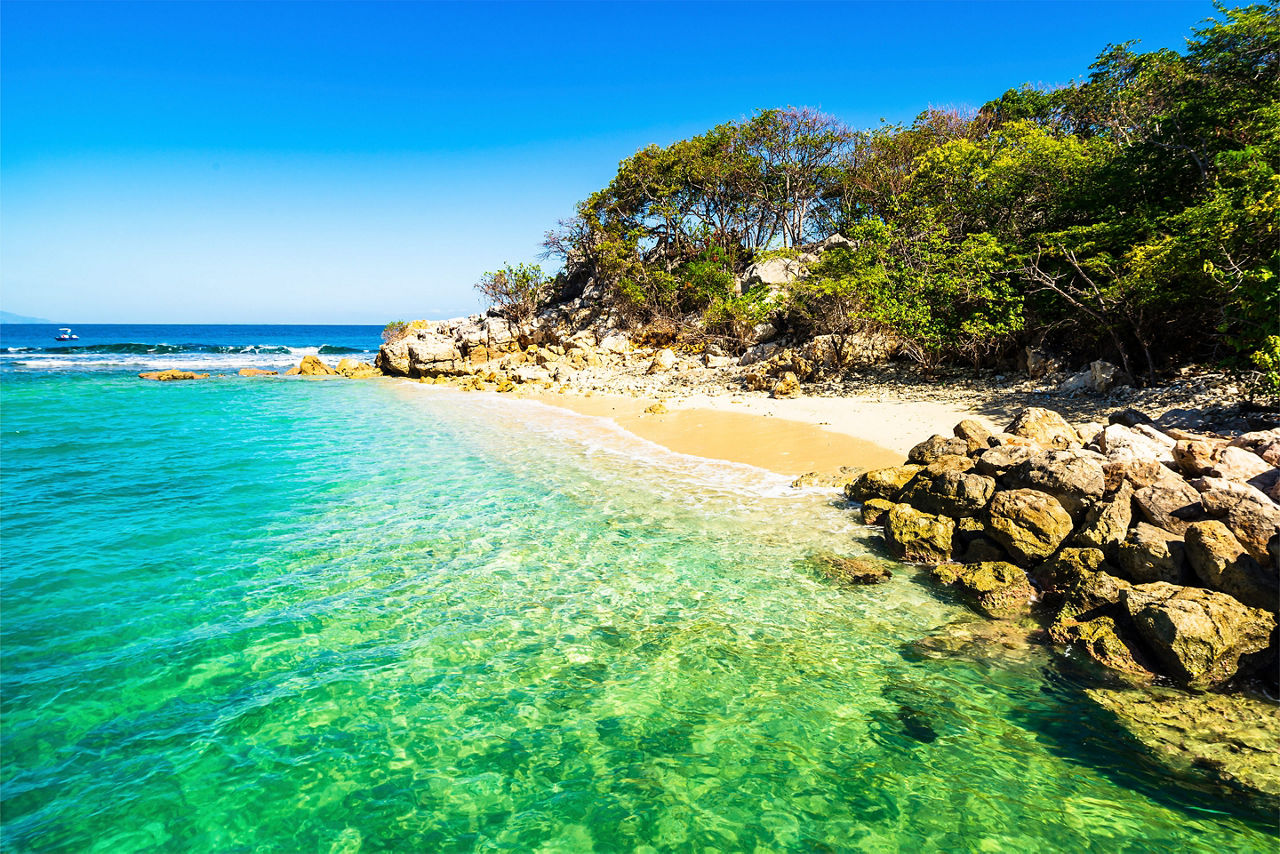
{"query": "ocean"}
pixel 290 615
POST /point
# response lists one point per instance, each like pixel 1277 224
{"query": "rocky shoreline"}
pixel 1145 549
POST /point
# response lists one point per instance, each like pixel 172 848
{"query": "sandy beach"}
pixel 790 437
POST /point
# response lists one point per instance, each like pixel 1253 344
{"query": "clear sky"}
pixel 356 163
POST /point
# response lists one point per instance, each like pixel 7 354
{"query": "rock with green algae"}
pixel 917 536
pixel 886 483
pixel 850 570
pixel 839 478
pixel 1102 641
pixel 996 588
pixel 1030 525
pixel 874 511
pixel 1234 739
pixel 949 493
pixel 1198 636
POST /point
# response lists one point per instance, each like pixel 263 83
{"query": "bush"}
pixel 515 291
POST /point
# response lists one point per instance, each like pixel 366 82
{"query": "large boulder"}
pixel 312 366
pixel 974 434
pixel 1150 554
pixel 1251 515
pixel 1030 525
pixel 996 461
pixel 1201 457
pixel 776 274
pixel 1233 738
pixel 949 493
pixel 1171 504
pixel 874 511
pixel 1073 477
pixel 917 536
pixel 887 483
pixel 1125 444
pixel 1264 443
pixel 937 446
pixel 433 355
pixel 995 588
pixel 1046 428
pixel 1222 563
pixel 1197 635
pixel 1106 521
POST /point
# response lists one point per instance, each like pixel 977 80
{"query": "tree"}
pixel 515 291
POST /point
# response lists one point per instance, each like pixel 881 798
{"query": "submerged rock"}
pixel 850 570
pixel 1235 740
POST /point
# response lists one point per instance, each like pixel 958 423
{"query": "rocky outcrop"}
pixel 256 372
pixel 1143 570
pixel 171 375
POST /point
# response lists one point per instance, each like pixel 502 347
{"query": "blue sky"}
pixel 356 163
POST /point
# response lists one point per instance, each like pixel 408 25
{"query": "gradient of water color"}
pixel 291 615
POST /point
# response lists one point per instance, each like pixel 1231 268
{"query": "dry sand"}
pixel 786 436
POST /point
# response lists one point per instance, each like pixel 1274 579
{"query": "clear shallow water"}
pixel 356 616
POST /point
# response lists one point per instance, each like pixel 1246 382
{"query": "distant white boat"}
pixel 66 335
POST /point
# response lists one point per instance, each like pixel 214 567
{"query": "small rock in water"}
pixel 916 725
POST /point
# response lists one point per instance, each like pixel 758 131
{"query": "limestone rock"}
pixel 1106 521
pixel 1046 428
pixel 874 511
pixel 1150 554
pixel 775 274
pixel 256 372
pixel 356 370
pixel 435 356
pixel 1073 477
pixel 663 361
pixel 788 386
pixel 1223 564
pixel 886 483
pixel 1030 525
pixel 949 493
pixel 615 343
pixel 917 536
pixel 937 446
pixel 946 463
pixel 170 375
pixel 1197 635
pixel 1264 443
pixel 1126 444
pixel 1202 457
pixel 312 366
pixel 850 570
pixel 1104 376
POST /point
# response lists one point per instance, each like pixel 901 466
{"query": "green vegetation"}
pixel 515 291
pixel 1132 215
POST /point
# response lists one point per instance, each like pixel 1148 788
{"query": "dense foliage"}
pixel 1132 215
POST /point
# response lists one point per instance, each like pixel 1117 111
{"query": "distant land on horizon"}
pixel 10 317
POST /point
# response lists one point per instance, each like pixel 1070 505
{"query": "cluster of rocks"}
pixel 311 366
pixel 1153 550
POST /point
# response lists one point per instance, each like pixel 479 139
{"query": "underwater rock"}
pixel 850 570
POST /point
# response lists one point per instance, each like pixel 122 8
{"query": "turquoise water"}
pixel 279 615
